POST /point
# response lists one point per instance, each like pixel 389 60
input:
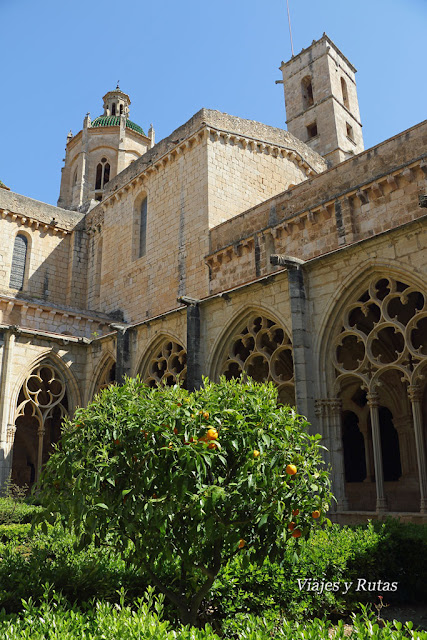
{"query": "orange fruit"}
pixel 170 445
pixel 256 453
pixel 316 514
pixel 291 469
pixel 241 543
pixel 291 526
pixel 175 431
pixel 205 415
pixel 295 512
pixel 297 533
pixel 154 495
pixel 212 445
pixel 212 434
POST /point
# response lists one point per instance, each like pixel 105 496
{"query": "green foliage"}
pixel 28 564
pixel 389 551
pixel 14 532
pixel 137 470
pixel 55 620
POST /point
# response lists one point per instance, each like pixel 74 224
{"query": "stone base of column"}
pixel 381 506
pixel 423 505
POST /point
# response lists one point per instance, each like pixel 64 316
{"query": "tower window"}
pixel 312 130
pixel 349 130
pixel 344 93
pixel 121 109
pixel 113 109
pixel 102 174
pixel 75 177
pixel 143 229
pixel 307 92
pixel 19 261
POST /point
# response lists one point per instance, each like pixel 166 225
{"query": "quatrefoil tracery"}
pixel 168 365
pixel 385 329
pixel 263 350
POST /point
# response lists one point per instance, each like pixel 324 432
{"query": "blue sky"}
pixel 60 58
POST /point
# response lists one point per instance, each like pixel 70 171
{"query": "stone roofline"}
pixel 229 125
pixel 34 212
pixel 301 189
pixel 324 38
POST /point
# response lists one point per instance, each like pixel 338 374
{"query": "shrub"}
pixel 188 480
pixel 15 511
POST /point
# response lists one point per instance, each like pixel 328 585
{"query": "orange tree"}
pixel 187 480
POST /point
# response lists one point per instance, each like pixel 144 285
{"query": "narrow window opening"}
pixel 349 130
pixel 98 180
pixel 312 130
pixel 143 229
pixel 121 109
pixel 113 109
pixel 19 261
pixel 75 178
pixel 307 92
pixel 102 175
pixel 344 93
pixel 106 174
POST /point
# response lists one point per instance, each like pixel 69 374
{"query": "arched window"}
pixel 19 261
pixel 113 109
pixel 354 448
pixel 102 174
pixel 75 177
pixel 344 93
pixel 121 109
pixel 307 92
pixel 143 228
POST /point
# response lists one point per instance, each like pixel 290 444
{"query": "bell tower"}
pixel 322 108
pixel 102 149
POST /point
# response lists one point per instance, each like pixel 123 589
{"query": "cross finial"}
pixel 118 84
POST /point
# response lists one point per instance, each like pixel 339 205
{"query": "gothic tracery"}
pixel 168 365
pixel 262 349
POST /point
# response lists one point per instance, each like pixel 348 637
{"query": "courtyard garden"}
pixel 169 514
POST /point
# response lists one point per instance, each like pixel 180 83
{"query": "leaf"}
pixel 101 505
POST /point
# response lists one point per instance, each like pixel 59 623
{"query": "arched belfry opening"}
pixel 42 405
pixel 380 360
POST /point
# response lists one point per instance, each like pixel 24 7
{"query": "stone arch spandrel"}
pixel 258 343
pixel 164 360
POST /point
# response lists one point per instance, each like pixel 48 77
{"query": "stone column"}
pixel 301 337
pixel 373 403
pixel 321 414
pixel 415 396
pixel 40 434
pixel 334 408
pixel 7 431
pixel 123 352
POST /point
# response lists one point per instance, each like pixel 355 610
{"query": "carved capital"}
pixel 10 433
pixel 415 393
pixel 373 399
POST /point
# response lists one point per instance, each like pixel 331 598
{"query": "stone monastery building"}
pixel 231 246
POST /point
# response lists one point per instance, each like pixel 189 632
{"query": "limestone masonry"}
pixel 231 246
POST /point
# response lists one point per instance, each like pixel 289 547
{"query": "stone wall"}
pixel 376 191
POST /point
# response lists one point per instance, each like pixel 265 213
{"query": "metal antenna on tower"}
pixel 290 30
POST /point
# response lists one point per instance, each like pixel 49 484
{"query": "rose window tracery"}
pixel 42 404
pixel 262 349
pixel 385 329
pixel 168 365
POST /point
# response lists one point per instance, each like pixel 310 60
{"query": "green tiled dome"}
pixel 114 121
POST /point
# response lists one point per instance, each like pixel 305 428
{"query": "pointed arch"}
pixel 104 374
pixel 164 361
pixel 257 342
